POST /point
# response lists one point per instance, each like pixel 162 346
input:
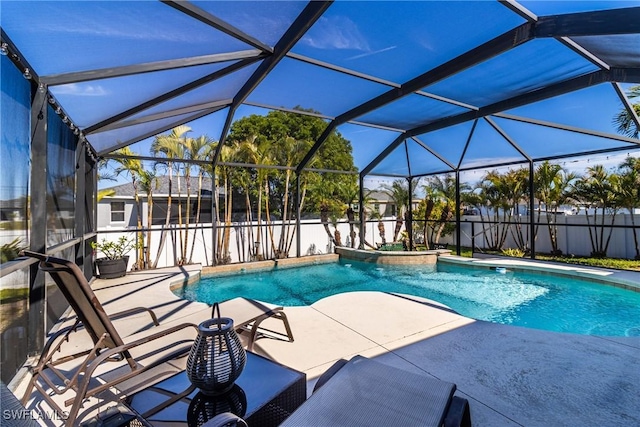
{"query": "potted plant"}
pixel 115 261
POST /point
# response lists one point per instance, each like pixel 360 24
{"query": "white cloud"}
pixel 78 90
pixel 337 32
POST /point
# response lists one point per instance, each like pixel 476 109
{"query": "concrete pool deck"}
pixel 511 375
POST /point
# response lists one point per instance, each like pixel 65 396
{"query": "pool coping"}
pixel 624 279
pixel 268 265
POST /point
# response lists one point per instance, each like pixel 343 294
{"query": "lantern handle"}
pixel 215 308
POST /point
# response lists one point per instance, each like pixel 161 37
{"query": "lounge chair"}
pixel 108 345
pixel 248 316
pixel 362 392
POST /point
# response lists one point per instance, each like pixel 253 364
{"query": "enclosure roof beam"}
pixel 627 105
pixel 215 22
pixel 595 23
pixel 576 83
pixel 165 115
pixel 383 154
pixel 433 152
pixel 157 131
pixel 567 128
pixel 510 140
pixel 309 15
pixel 128 70
pixel 172 94
pixel 499 44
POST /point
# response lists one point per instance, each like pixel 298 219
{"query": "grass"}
pixel 10 295
pixel 615 263
pixel 620 264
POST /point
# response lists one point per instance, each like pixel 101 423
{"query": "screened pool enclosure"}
pixel 378 92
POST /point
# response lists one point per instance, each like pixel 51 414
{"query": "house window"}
pixel 376 207
pixel 117 211
pixel 393 210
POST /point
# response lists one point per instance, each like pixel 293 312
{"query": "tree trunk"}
pixel 399 222
pixel 147 251
pixel 197 219
pixel 428 208
pixel 324 218
pixel 167 221
pixel 352 231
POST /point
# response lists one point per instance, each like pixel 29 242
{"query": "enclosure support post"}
pixel 81 202
pixel 458 231
pixel 363 223
pixel 38 223
pixel 298 211
pixel 410 214
pixel 532 226
pixel 214 216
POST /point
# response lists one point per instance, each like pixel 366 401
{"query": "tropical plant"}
pixel 552 189
pixel 197 149
pixel 170 146
pixel 513 252
pixel 10 251
pixel 148 183
pixel 439 207
pixel 115 249
pixel 630 193
pixel 599 193
pixel 398 192
pixel 625 122
pixel 499 195
pixel 284 139
pixel 514 186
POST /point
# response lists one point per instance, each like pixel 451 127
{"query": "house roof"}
pixel 162 189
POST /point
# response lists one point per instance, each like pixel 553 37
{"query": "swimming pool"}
pixel 513 298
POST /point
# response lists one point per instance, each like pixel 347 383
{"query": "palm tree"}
pixel 626 124
pixel 257 151
pixel 511 189
pixel 630 192
pixel 148 181
pixel 552 183
pixel 133 168
pixel 198 149
pixel 599 190
pixel 172 148
pixel 398 192
pixel 325 198
pixel 440 195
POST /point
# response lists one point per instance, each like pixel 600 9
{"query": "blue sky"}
pixel 392 41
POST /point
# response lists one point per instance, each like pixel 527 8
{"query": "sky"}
pixel 391 41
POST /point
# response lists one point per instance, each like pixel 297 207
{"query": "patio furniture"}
pixel 362 392
pixel 264 395
pixel 108 346
pixel 248 316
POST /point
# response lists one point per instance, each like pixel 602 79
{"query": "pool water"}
pixel 513 298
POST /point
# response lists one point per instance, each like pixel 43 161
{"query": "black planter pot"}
pixel 112 268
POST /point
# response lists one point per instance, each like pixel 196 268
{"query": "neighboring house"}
pixel 13 210
pixel 119 210
pixel 382 204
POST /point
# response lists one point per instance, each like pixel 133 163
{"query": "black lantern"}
pixel 217 358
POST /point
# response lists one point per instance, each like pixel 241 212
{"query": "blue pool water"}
pixel 514 298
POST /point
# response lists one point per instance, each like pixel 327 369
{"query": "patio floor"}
pixel 510 375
